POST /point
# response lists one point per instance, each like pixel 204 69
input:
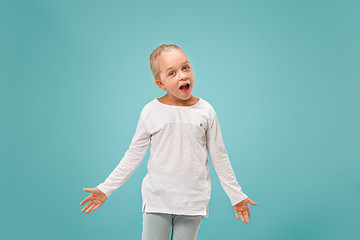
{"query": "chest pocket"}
pixel 199 128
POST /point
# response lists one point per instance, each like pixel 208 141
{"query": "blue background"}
pixel 283 77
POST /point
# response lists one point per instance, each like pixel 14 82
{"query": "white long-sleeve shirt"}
pixel 178 178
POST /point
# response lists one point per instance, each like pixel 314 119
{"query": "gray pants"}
pixel 157 226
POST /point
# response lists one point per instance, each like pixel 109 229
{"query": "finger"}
pixel 85 200
pixel 241 216
pixel 252 202
pixel 97 206
pixel 90 208
pixel 87 206
pixel 245 217
pixel 236 214
pixel 90 190
pixel 248 211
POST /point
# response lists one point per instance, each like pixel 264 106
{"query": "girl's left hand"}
pixel 243 209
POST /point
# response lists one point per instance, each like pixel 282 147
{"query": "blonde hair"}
pixel 157 52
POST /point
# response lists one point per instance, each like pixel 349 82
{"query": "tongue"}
pixel 184 87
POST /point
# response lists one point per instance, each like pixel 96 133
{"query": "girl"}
pixel 180 129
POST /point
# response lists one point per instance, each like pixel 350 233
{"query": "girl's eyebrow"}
pixel 173 66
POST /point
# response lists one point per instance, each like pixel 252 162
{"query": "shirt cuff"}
pixel 240 198
pixel 102 188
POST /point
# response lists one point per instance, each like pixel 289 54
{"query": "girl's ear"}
pixel 160 84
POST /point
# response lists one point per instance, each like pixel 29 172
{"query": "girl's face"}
pixel 175 71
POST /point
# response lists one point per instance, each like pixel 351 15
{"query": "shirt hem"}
pixel 177 212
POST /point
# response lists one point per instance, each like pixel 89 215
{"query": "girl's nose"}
pixel 182 75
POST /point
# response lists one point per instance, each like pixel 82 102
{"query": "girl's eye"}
pixel 186 67
pixel 171 73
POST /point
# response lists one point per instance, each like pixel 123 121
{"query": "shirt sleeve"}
pixel 220 160
pixel 130 161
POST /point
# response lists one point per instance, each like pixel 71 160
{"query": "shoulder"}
pixel 206 104
pixel 147 108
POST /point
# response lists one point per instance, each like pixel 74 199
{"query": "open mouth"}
pixel 185 87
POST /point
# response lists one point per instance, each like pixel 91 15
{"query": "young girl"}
pixel 180 130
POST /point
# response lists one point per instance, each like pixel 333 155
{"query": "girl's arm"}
pixel 128 164
pixel 131 160
pixel 220 160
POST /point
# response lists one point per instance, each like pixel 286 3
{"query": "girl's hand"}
pixel 242 209
pixel 96 199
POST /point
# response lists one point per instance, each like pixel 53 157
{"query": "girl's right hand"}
pixel 96 199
